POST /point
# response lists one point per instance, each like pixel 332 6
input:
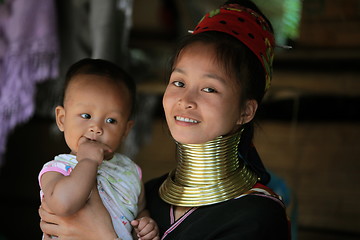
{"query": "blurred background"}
pixel 308 127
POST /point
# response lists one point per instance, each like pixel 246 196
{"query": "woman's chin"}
pixel 191 139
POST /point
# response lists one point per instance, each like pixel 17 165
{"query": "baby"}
pixel 95 117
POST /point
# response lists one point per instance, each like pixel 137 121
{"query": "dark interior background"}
pixel 308 126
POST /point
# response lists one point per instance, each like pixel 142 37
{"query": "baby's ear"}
pixel 248 112
pixel 129 126
pixel 60 117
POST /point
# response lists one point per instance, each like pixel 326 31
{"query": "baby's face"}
pixel 95 108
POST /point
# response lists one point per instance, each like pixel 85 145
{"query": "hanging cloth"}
pixel 28 55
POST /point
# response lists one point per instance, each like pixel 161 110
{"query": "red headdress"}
pixel 247 26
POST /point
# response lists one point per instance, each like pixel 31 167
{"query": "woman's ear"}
pixel 248 112
pixel 60 117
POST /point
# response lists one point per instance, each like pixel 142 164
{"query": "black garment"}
pixel 249 217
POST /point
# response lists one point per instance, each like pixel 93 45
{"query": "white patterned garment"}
pixel 119 185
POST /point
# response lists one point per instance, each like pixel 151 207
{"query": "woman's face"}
pixel 201 101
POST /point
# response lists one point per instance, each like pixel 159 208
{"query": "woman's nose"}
pixel 188 100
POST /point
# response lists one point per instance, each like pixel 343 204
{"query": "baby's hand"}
pixel 146 229
pixel 92 150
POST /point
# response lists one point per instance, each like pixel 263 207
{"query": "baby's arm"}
pixel 65 195
pixel 145 228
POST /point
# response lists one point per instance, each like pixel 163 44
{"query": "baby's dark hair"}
pixel 105 68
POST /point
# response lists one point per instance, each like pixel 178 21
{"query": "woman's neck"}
pixel 207 173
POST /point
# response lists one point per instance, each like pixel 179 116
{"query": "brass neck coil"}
pixel 207 173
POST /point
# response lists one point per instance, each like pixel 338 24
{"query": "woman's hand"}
pixel 91 222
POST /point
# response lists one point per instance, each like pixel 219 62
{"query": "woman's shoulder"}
pixel 155 183
pixel 152 192
pixel 265 193
pixel 260 204
pixel 256 206
pixel 248 204
pixel 249 217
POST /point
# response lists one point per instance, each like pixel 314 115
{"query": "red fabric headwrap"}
pixel 248 27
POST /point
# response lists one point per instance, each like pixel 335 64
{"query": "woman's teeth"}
pixel 186 119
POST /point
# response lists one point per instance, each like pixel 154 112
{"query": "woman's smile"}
pixel 186 120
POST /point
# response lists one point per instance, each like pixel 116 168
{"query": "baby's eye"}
pixel 209 90
pixel 110 120
pixel 85 116
pixel 178 84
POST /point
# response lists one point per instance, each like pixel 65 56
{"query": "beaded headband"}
pixel 248 27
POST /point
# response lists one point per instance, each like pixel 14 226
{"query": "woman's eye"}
pixel 85 116
pixel 178 84
pixel 209 90
pixel 110 120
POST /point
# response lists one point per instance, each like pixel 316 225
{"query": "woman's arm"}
pixel 92 222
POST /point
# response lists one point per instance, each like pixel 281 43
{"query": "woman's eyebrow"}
pixel 215 77
pixel 179 70
pixel 207 75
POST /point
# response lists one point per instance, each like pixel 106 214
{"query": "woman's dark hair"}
pixel 242 64
pixel 105 68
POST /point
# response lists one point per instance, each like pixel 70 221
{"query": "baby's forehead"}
pixel 89 78
pixel 101 81
pixel 83 82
